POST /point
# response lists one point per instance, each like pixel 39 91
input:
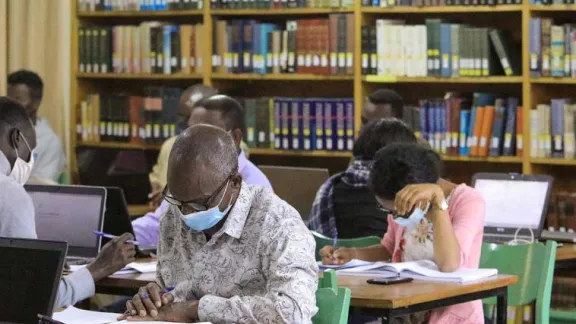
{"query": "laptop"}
pixel 117 219
pixel 297 186
pixel 513 201
pixel 30 272
pixel 72 214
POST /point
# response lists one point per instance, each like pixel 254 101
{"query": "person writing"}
pixel 429 219
pixel 233 252
pixel 226 113
pixel 17 215
pixel 344 203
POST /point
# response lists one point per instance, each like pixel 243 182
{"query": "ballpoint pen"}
pixel 163 291
pixel 335 244
pixel 110 236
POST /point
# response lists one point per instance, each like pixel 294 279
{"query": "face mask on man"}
pixel 22 169
pixel 415 217
pixel 206 219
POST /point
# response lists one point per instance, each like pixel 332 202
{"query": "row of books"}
pixel 319 46
pixel 150 118
pixel 150 47
pixel 435 3
pixel 563 296
pixel 280 4
pixel 561 212
pixel 552 129
pixel 300 123
pixel 138 5
pixel 437 48
pixel 480 124
pixel 552 48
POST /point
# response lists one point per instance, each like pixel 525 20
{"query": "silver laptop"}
pixel 513 201
pixel 71 214
pixel 297 186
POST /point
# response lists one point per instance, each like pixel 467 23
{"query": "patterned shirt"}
pixel 258 268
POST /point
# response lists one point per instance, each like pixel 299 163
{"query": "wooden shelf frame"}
pixel 81 82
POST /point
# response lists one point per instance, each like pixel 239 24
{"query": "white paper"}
pixel 134 267
pixel 73 315
pixel 351 264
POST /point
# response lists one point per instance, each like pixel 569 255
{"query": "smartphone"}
pixel 389 281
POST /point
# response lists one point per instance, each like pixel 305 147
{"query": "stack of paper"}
pixel 351 264
pixel 73 315
pixel 134 267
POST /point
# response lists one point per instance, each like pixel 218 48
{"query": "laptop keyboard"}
pixel 504 239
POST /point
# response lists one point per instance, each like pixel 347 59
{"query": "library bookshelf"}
pixel 530 90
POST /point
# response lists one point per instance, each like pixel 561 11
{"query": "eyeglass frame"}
pixel 190 203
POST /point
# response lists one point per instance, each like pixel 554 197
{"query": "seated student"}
pixel 445 225
pixel 382 103
pixel 189 98
pixel 234 252
pixel 226 113
pixel 26 87
pixel 17 145
pixel 344 204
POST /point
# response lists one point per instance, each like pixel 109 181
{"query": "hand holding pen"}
pixel 110 236
pixel 148 300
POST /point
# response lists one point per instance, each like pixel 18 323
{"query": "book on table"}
pixel 419 270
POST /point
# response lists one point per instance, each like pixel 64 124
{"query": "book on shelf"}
pixel 151 47
pixel 551 2
pixel 563 296
pixel 419 270
pixel 561 214
pixel 552 129
pixel 437 48
pixel 435 3
pixel 150 118
pixel 138 5
pixel 306 124
pixel 280 4
pixel 317 46
pixel 478 125
pixel 552 48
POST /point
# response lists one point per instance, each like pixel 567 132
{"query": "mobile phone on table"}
pixel 389 281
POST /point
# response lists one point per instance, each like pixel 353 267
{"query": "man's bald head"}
pixel 202 157
pixel 191 96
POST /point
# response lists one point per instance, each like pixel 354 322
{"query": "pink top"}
pixel 466 209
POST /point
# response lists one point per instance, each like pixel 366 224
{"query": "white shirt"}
pixel 50 160
pixel 258 268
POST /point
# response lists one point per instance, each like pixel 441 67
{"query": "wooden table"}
pixel 381 301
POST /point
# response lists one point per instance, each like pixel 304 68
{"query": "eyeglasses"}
pixel 192 203
pixel 388 211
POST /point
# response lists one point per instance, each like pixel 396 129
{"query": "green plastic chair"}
pixel 534 266
pixel 563 316
pixel 322 241
pixel 333 306
pixel 328 280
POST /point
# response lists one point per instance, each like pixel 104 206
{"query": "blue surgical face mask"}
pixel 414 218
pixel 206 219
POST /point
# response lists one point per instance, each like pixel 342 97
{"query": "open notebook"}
pixel 420 270
pixel 134 267
pixel 73 315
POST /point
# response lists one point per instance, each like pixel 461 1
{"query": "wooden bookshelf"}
pixel 532 90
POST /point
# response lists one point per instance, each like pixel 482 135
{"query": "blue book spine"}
pixel 349 115
pixel 470 132
pixel 340 125
pixel 438 125
pixel 319 122
pixel 329 124
pixel 277 124
pixel 310 113
pixel 445 50
pixel 423 120
pixel 240 47
pixel 463 136
pixel 167 48
pixel 296 125
pixel 376 3
pixel 431 125
pixel 442 118
pixel 286 124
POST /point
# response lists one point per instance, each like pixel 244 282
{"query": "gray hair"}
pixel 204 148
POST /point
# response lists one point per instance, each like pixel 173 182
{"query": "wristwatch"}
pixel 443 205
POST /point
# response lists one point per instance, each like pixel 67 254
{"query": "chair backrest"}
pixel 322 241
pixel 534 266
pixel 328 280
pixel 333 306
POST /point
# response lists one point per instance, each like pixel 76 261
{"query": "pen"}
pixel 110 236
pixel 334 244
pixel 165 290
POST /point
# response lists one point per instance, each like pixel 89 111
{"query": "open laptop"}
pixel 30 272
pixel 71 214
pixel 117 219
pixel 297 186
pixel 513 201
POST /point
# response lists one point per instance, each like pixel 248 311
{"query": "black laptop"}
pixel 117 219
pixel 30 272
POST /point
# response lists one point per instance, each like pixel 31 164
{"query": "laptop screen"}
pixel 513 203
pixel 70 216
pixel 29 276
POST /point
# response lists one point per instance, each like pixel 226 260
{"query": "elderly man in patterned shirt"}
pixel 231 252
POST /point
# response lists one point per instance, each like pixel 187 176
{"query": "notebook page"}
pixel 351 264
pixel 73 315
pixel 427 270
pixel 376 269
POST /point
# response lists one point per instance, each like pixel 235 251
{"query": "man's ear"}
pixel 14 136
pixel 237 136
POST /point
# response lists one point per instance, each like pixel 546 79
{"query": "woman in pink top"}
pixel 444 223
